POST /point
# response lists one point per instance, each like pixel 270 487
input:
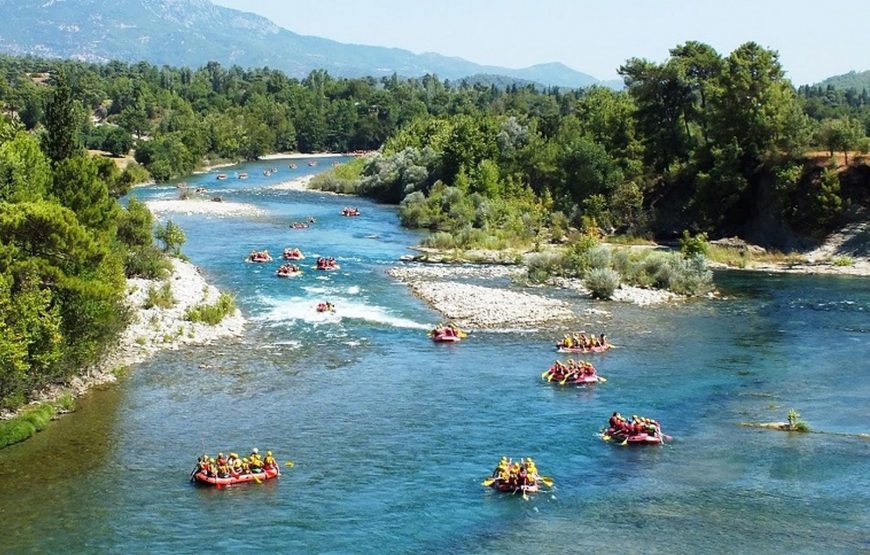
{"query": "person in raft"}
pixel 449 330
pixel 582 341
pixel 517 475
pixel 621 427
pixel 226 467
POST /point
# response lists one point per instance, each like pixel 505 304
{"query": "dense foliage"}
pixel 63 244
pixel 701 141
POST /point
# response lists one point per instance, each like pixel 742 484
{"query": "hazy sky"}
pixel 815 39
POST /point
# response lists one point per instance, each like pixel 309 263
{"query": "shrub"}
pixel 172 236
pixel 795 424
pixel 691 245
pixel 602 282
pixel 598 257
pixel 66 402
pixel 146 262
pixel 843 261
pixel 161 298
pixel 212 314
pixel 543 267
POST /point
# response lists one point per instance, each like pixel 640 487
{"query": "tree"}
pixel 78 186
pixel 25 173
pixel 841 134
pixel 62 137
pixel 172 236
pixel 756 106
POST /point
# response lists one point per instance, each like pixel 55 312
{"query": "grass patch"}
pixel 160 297
pixel 66 402
pixel 629 240
pixel 212 314
pixel 26 424
pixel 737 257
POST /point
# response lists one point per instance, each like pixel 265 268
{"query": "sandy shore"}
pixel 298 184
pixel 152 330
pixel 207 207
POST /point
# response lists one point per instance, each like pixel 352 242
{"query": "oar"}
pixel 488 482
pixel 547 481
pixel 601 379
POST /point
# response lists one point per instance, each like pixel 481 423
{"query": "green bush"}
pixel 212 314
pixel 147 262
pixel 161 298
pixel 66 402
pixel 843 261
pixel 598 257
pixel 602 282
pixel 545 266
pixel 691 245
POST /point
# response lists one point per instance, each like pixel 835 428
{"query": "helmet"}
pixel 268 453
pixel 211 460
pixel 220 455
pixel 255 450
pixel 234 455
pixel 245 459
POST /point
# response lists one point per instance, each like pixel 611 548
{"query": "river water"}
pixel 392 434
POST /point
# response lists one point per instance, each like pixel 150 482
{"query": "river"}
pixel 392 434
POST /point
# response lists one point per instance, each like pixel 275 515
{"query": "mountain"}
pixel 852 80
pixel 194 32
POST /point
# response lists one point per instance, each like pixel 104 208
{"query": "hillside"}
pixel 858 80
pixel 194 32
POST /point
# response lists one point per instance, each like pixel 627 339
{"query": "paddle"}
pixel 547 481
pixel 601 379
pixel 488 482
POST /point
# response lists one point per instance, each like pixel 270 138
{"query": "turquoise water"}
pixel 392 434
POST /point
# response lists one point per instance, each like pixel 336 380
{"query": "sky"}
pixel 815 39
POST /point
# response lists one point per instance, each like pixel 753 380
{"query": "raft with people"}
pixel 288 271
pixel 327 264
pixel 299 225
pixel 292 254
pixel 226 471
pixel 350 212
pixel 517 477
pixel 580 343
pixel 259 256
pixel 326 307
pixel 447 333
pixel 637 431
pixel 573 372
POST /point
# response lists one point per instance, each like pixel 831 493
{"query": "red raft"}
pixel 583 350
pixel 636 439
pixel 267 474
pixel 505 487
pixel 445 338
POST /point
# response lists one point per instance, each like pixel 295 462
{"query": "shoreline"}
pixel 150 331
pixel 204 207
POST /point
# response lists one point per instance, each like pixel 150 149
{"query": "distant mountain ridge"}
pixel 194 32
pixel 858 80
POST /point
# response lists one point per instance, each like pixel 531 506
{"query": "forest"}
pixel 700 143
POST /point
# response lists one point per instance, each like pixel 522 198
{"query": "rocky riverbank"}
pixel 151 330
pixel 477 306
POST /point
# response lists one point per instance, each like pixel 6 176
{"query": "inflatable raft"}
pixel 445 338
pixel 636 439
pixel 267 474
pixel 580 380
pixel 504 487
pixel 582 350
